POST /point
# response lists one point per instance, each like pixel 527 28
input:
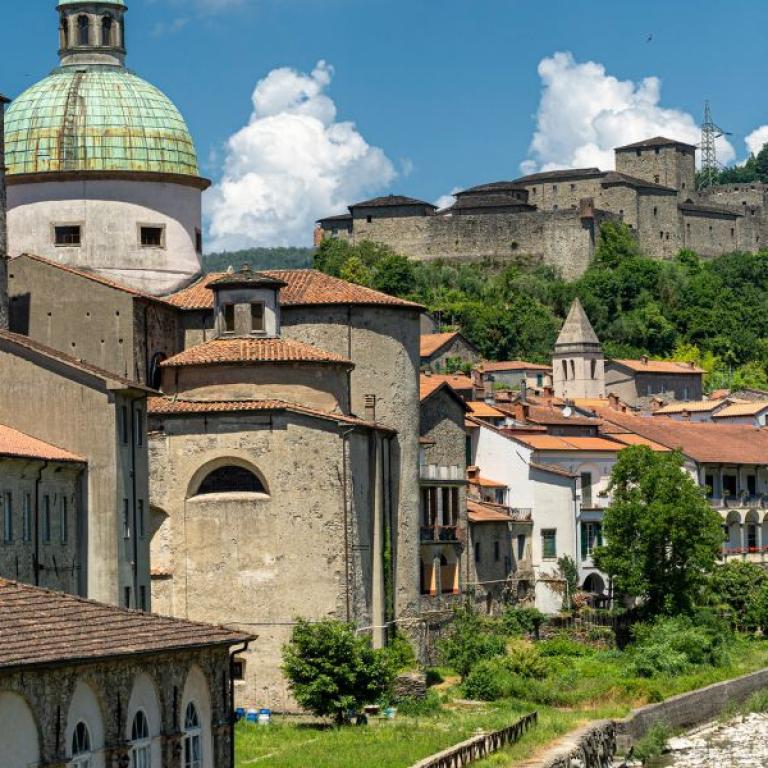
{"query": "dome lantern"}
pixel 91 32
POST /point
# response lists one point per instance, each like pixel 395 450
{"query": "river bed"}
pixel 738 743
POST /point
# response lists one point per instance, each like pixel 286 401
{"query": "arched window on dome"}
pixel 83 30
pixel 106 31
pixel 231 479
pixel 64 32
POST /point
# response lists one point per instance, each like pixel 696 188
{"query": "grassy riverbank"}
pixel 575 689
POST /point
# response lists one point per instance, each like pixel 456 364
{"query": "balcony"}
pixel 440 473
pixel 742 500
pixel 440 534
pixel 520 514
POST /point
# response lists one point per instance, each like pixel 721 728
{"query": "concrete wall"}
pixel 55 699
pixel 60 490
pixel 110 213
pixel 274 556
pixel 86 421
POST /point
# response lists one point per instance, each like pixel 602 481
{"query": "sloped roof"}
pixel 19 445
pixel 430 385
pixel 493 187
pixel 457 381
pixel 568 443
pixel 484 512
pixel 391 200
pixel 510 365
pixel 304 287
pixel 691 406
pixel 707 208
pixel 577 329
pixel 656 141
pixel 741 409
pixel 223 351
pixel 660 366
pixel 613 177
pixel 432 342
pixel 559 175
pixel 482 410
pixel 38 626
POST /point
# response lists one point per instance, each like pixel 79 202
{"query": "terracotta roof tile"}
pixel 656 141
pixel 38 626
pixel 170 406
pixel 482 410
pixel 479 512
pixel 432 342
pixel 17 444
pixel 695 406
pixel 429 385
pixel 660 366
pixel 741 409
pixel 223 351
pixel 304 287
pixel 459 382
pixel 557 443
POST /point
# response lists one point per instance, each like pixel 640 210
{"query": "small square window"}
pixel 369 219
pixel 229 318
pixel 152 237
pixel 68 235
pixel 238 669
pixel 257 317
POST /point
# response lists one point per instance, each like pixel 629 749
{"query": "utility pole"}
pixel 710 132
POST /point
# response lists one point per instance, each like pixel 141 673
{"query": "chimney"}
pixel 489 394
pixel 521 411
pixel 548 392
pixel 613 402
pixel 587 208
pixel 3 225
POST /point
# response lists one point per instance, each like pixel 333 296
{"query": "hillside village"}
pixel 189 463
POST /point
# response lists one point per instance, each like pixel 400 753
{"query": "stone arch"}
pixel 198 692
pixel 193 488
pixel 733 528
pixel 594 584
pixel 752 537
pixel 84 707
pixel 144 698
pixel 21 737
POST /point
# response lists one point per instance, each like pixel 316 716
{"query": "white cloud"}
pixel 584 113
pixel 757 139
pixel 444 201
pixel 291 164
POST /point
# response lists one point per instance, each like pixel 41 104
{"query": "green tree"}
pixel 332 670
pixel 569 572
pixel 615 243
pixel 737 585
pixel 469 640
pixel 662 537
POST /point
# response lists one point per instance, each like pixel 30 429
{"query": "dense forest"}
pixel 713 312
pixel 259 258
pixel 754 169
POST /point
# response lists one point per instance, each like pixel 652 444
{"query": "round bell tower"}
pixel 91 32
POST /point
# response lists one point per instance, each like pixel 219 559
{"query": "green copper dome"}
pixel 97 118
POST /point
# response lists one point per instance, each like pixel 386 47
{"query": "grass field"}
pixel 575 691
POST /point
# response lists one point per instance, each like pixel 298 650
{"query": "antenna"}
pixel 710 132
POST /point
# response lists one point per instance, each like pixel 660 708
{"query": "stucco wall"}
pixel 110 213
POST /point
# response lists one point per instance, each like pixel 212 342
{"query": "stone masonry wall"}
pixel 3 225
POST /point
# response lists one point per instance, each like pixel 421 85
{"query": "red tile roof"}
pixel 459 382
pixel 303 287
pixel 432 342
pixel 660 366
pixel 171 406
pixel 223 351
pixel 16 444
pixel 741 409
pixel 482 512
pixel 429 385
pixel 94 277
pixel 38 626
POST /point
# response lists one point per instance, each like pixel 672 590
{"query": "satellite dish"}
pixel 567 411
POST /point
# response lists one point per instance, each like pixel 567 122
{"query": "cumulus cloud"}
pixel 445 201
pixel 757 139
pixel 291 164
pixel 584 113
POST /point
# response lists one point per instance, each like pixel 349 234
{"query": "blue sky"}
pixel 442 93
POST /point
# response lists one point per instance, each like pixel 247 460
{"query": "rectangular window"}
pixel 126 520
pixel 152 237
pixel 140 515
pixel 549 544
pixel 752 485
pixel 238 669
pixel 64 520
pixel 229 318
pixel 709 481
pixel 7 518
pixel 586 490
pixel 143 597
pixel 496 551
pixel 369 219
pixel 124 424
pixel 26 522
pixel 139 427
pixel 127 597
pixel 539 379
pixel 46 519
pixel 520 546
pixel 591 537
pixel 477 551
pixel 257 317
pixel 66 235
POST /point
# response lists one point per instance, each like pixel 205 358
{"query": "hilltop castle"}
pixel 554 217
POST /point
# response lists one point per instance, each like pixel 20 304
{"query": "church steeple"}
pixel 91 32
pixel 578 366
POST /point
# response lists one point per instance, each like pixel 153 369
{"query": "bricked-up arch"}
pixel 84 709
pixel 227 475
pixel 20 738
pixel 197 694
pixel 144 702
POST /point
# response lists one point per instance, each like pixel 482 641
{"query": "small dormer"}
pixel 246 304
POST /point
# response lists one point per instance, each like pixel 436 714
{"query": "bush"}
pixel 562 645
pixel 525 661
pixel 469 641
pixel 741 587
pixel 400 653
pixel 427 707
pixel 332 670
pixel 489 680
pixel 522 621
pixel 653 743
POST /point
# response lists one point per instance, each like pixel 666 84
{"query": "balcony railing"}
pixel 520 514
pixel 744 550
pixel 740 501
pixel 440 533
pixel 440 472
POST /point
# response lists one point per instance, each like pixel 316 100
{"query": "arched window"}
pixel 141 745
pixel 573 370
pixel 231 479
pixel 565 370
pixel 106 30
pixel 193 744
pixel 64 31
pixel 83 30
pixel 81 746
pixel 155 371
pixel 594 368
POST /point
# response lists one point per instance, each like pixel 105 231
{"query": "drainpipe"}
pixel 232 719
pixel 345 502
pixel 135 532
pixel 38 480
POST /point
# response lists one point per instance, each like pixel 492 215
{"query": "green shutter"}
pixel 584 541
pixel 599 534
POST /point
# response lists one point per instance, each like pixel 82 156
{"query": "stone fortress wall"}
pixel 554 217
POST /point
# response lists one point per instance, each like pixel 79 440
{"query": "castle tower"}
pixel 661 161
pixel 578 365
pixel 3 229
pixel 101 169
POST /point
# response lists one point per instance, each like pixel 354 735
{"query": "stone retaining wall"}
pixel 592 746
pixel 479 746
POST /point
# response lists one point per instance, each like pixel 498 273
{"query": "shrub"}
pixel 428 706
pixel 653 743
pixel 524 660
pixel 489 680
pixel 655 659
pixel 738 586
pixel 469 641
pixel 400 653
pixel 522 621
pixel 332 670
pixel 562 645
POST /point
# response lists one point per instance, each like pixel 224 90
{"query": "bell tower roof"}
pixel 577 333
